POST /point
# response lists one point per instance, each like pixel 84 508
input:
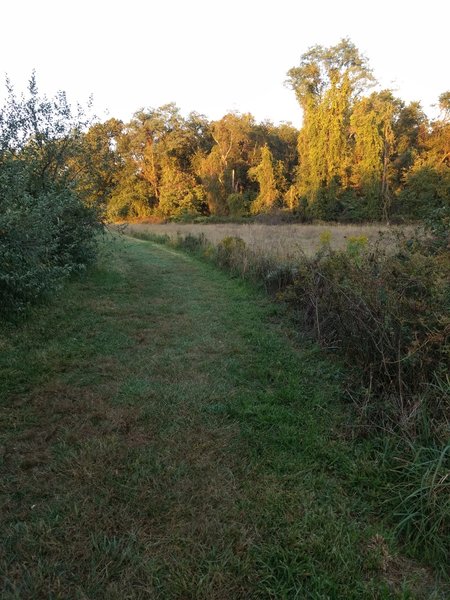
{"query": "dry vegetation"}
pixel 280 241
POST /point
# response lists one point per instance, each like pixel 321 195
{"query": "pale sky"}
pixel 212 56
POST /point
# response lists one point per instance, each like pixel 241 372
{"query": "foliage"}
pixel 356 245
pixel 190 243
pixel 264 173
pixel 46 232
pixel 359 156
pixel 372 127
pixel 388 311
pixel 356 152
pixel 239 205
pixel 97 170
pixel 326 83
pixel 426 189
pixel 130 198
pixel 180 194
pixel 325 237
pixel 43 239
pixel 227 249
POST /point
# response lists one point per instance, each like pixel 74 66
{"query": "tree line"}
pixel 360 154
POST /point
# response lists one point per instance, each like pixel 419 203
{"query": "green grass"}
pixel 163 437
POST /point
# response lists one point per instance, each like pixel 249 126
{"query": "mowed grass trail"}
pixel 162 437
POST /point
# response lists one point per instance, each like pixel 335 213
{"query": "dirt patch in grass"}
pixel 397 569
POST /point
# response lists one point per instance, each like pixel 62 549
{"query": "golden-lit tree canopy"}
pixel 359 155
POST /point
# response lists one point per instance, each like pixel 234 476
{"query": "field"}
pixel 278 241
pixel 166 436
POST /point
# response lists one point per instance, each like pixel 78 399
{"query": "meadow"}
pixel 282 241
pixel 381 308
pixel 173 438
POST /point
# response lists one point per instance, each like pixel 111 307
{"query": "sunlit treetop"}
pixel 444 104
pixel 320 68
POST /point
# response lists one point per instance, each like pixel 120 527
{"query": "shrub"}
pixel 388 311
pixel 325 237
pixel 191 243
pixel 46 232
pixel 229 251
pixel 43 240
pixel 356 244
pixel 238 205
pixel 426 189
pixel 279 277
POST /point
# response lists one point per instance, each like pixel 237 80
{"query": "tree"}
pixel 180 194
pixel 327 83
pixel 444 105
pixel 282 141
pixel 209 167
pixel 155 143
pixel 372 130
pixel 97 165
pixel 410 129
pixel 264 174
pixel 42 135
pixel 223 170
pixel 426 185
pixel 438 143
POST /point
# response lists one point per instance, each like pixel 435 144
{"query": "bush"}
pixel 239 205
pixel 426 189
pixel 388 311
pixel 43 240
pixel 46 232
pixel 191 243
pixel 229 250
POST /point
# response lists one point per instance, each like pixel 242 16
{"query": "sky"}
pixel 215 56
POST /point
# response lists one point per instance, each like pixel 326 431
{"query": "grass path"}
pixel 162 437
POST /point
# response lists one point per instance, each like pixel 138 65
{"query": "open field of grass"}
pixel 279 241
pixel 163 436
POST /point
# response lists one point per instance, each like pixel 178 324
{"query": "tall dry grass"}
pixel 281 241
